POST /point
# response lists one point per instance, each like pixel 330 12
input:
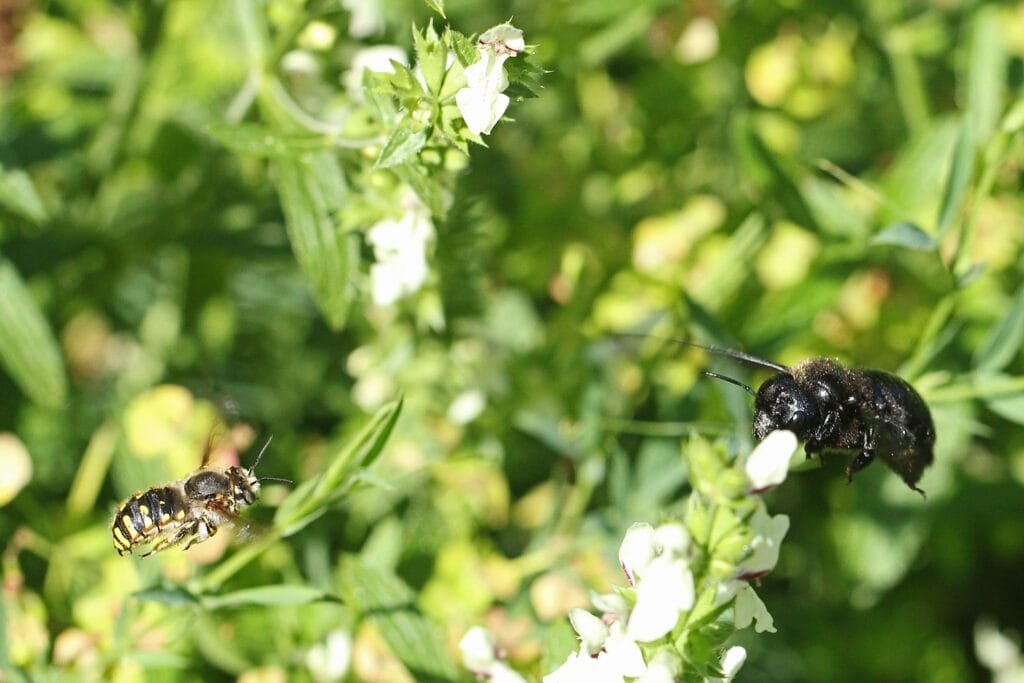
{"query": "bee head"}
pixel 782 404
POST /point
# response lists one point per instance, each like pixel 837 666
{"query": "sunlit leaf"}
pixel 285 594
pixel 960 172
pixel 1004 340
pixel 18 195
pixel 388 603
pixel 172 595
pixel 403 145
pixel 28 350
pixel 904 234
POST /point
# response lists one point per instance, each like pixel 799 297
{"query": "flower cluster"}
pixel 684 576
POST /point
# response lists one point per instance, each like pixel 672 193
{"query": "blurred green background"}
pixel 795 179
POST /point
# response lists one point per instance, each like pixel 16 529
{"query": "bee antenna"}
pixel 260 456
pixel 717 350
pixel 287 481
pixel 730 380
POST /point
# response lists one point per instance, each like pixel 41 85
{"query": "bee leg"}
pixel 863 459
pixel 813 448
pixel 203 529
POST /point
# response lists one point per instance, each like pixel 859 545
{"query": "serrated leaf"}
pixel 1004 341
pixel 388 603
pixel 431 58
pixel 403 145
pixel 463 48
pixel 288 594
pixel 28 350
pixel 311 189
pixel 18 195
pixel 905 234
pixel 172 595
pixel 254 139
pixel 960 171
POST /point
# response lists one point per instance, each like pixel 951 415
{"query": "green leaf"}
pixel 18 195
pixel 437 6
pixel 288 594
pixel 1004 340
pixel 387 602
pixel 403 145
pixel 28 349
pixel 311 190
pixel 431 57
pixel 170 595
pixel 960 171
pixel 986 71
pixel 311 498
pixel 1006 404
pixel 254 139
pixel 559 642
pixel 905 234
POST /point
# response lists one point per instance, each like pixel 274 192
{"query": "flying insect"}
pixel 834 408
pixel 189 510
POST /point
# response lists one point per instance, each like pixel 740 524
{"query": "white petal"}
pixel 502 673
pixel 480 110
pixel 665 590
pixel 503 38
pixel 623 655
pixel 580 668
pixel 768 464
pixel 385 283
pixel 749 608
pixel 663 668
pixel 732 660
pixel 672 538
pixel 637 550
pixel 477 648
pixel 592 631
pixel 766 544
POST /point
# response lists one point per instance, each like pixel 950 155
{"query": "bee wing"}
pixel 225 514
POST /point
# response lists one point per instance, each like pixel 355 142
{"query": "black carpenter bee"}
pixel 831 407
pixel 187 511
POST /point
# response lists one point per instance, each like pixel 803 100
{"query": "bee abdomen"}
pixel 145 515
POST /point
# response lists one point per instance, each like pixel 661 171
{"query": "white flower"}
pixel 467 406
pixel 580 667
pixel 478 649
pixel 367 17
pixel 768 464
pixel 15 467
pixel 749 608
pixel 591 630
pixel 765 547
pixel 480 657
pixel 481 102
pixel 329 662
pixel 665 590
pixel 637 550
pixel 732 660
pixel 400 247
pixel 663 668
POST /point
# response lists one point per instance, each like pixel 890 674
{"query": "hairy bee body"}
pixel 871 412
pixel 184 512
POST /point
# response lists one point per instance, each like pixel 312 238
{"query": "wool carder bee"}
pixel 187 511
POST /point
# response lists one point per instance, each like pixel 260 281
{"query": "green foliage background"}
pixel 833 178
